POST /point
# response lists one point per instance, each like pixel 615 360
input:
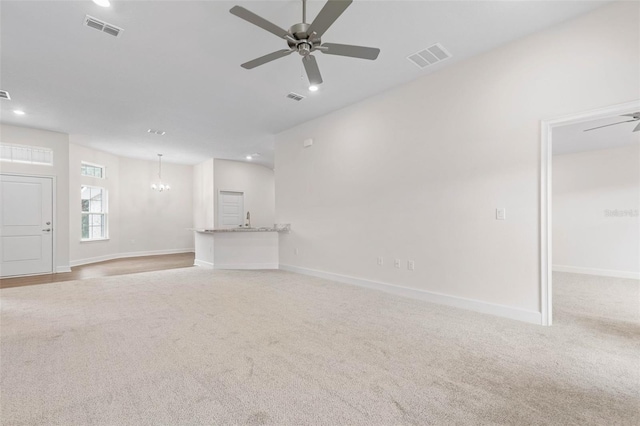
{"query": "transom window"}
pixel 94 213
pixel 27 154
pixel 92 170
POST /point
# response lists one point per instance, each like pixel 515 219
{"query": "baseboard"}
pixel 247 266
pixel 126 255
pixel 203 264
pixel 594 271
pixel 532 317
pixel 63 269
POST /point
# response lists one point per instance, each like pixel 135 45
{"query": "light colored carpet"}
pixel 193 346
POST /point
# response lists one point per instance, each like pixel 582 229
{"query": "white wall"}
pixel 585 186
pixel 80 251
pixel 255 181
pixel 203 196
pixel 417 172
pixel 150 221
pixel 59 143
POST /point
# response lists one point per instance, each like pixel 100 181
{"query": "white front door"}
pixel 26 225
pixel 230 209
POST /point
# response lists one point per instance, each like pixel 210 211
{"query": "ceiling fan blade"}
pixel 351 51
pixel 612 124
pixel 249 16
pixel 635 115
pixel 637 129
pixel 311 67
pixel 327 16
pixel 266 58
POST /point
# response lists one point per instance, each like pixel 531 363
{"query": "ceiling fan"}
pixel 305 38
pixel 635 117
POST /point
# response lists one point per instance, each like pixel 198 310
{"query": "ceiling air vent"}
pixel 429 56
pixel 295 96
pixel 5 95
pixel 99 25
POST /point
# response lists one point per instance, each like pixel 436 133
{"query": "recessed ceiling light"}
pixel 156 132
pixel 17 111
pixel 103 3
pixel 313 88
pixel 248 157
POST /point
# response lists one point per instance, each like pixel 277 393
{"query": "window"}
pixel 94 213
pixel 92 170
pixel 26 154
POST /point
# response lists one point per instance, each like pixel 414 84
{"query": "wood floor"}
pixel 110 267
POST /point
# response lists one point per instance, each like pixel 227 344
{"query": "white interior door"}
pixel 230 209
pixel 26 228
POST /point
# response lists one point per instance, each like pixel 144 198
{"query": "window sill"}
pixel 94 240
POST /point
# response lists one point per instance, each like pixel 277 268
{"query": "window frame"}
pixel 104 213
pixel 31 149
pixel 100 166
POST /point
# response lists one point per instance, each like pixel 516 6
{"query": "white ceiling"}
pixel 176 67
pixel 573 138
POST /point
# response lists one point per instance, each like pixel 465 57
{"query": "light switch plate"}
pixel 501 214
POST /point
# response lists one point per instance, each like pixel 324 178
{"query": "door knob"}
pixel 47 230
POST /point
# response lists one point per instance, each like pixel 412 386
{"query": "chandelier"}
pixel 160 186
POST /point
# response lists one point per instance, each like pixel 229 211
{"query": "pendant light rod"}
pixel 160 166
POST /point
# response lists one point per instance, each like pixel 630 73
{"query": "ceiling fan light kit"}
pixel 305 38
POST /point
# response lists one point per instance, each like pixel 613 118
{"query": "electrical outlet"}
pixel 411 265
pixel 296 251
pixel 380 261
pixel 396 263
pixel 501 214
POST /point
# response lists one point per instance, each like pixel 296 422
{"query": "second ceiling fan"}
pixel 305 38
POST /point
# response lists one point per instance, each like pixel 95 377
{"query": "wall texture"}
pixel 416 173
pixel 596 199
pixel 257 183
pixel 59 143
pixel 203 196
pixel 153 222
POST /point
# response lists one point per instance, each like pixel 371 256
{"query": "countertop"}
pixel 276 228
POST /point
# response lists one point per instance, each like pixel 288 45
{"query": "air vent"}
pixel 5 95
pixel 429 56
pixel 295 96
pixel 156 132
pixel 99 25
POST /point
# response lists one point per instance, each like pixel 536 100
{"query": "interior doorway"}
pixel 26 225
pixel 550 129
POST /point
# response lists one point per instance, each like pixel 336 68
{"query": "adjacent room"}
pixel 319 212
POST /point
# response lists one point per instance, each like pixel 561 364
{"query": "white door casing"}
pixel 26 225
pixel 546 227
pixel 230 209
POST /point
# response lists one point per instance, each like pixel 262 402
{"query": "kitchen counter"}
pixel 238 248
pixel 277 228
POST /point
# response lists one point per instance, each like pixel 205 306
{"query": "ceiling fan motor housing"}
pixel 304 44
